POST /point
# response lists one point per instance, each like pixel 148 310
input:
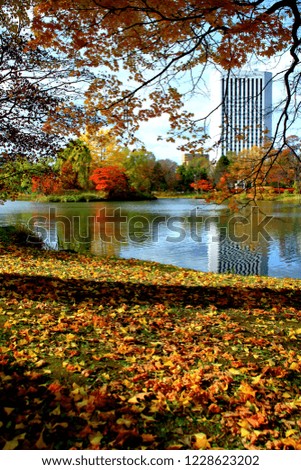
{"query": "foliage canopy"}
pixel 158 45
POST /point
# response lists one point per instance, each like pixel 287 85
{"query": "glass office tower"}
pixel 246 110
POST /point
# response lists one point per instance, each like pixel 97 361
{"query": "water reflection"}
pixel 187 233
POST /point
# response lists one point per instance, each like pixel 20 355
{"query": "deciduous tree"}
pixel 104 148
pixel 161 44
pixel 196 169
pixel 202 185
pixel 111 180
pixel 140 169
pixel 39 87
pixel 77 157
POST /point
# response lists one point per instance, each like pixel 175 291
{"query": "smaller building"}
pixel 189 157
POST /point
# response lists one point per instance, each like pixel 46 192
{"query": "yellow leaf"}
pixel 40 444
pixel 169 363
pixel 286 395
pixel 56 411
pixel 290 432
pixel 244 424
pixel 126 422
pixel 18 426
pixel 246 389
pixel 200 441
pixel 294 366
pixel 139 397
pixel 244 432
pixel 70 337
pixel 234 371
pixel 95 438
pixel 82 403
pixel 147 418
pixel 11 445
pixel 256 379
pixel 8 410
pixel 40 363
pixel 298 331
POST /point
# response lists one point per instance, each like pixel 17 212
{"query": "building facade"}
pixel 246 110
pixel 189 157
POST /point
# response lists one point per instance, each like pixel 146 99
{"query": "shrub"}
pixel 20 235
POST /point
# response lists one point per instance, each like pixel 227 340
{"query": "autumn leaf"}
pixel 200 441
pixel 40 444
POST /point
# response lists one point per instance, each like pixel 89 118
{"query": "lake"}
pixel 183 232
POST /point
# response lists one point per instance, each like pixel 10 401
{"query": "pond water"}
pixel 184 232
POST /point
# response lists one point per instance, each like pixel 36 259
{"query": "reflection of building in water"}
pixel 289 247
pixel 227 256
pixel 240 260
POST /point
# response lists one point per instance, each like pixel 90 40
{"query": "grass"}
pixel 82 196
pixel 124 354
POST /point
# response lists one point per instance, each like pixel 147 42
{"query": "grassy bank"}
pixel 81 196
pixel 122 354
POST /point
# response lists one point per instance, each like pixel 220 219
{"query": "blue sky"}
pixel 201 105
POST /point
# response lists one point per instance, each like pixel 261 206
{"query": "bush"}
pixel 20 235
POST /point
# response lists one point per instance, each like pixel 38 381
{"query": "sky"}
pixel 201 106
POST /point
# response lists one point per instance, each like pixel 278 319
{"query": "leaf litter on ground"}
pixel 125 354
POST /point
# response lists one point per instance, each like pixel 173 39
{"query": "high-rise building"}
pixel 246 110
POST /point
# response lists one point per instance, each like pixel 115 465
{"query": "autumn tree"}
pixel 169 171
pixel 39 88
pixel 49 183
pixel 111 180
pixel 164 175
pixel 74 163
pixel 202 186
pixel 220 168
pixel 196 169
pixel 249 168
pixel 16 176
pixel 281 173
pixel 159 45
pixel 295 163
pixel 140 170
pixel 158 178
pixel 104 148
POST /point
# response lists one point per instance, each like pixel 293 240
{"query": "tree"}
pixel 74 162
pixel 169 171
pixel 47 184
pixel 220 168
pixel 159 44
pixel 104 148
pixel 202 185
pixel 140 169
pixel 16 176
pixel 196 169
pixel 295 163
pixel 158 178
pixel 111 180
pixel 249 168
pixel 39 87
